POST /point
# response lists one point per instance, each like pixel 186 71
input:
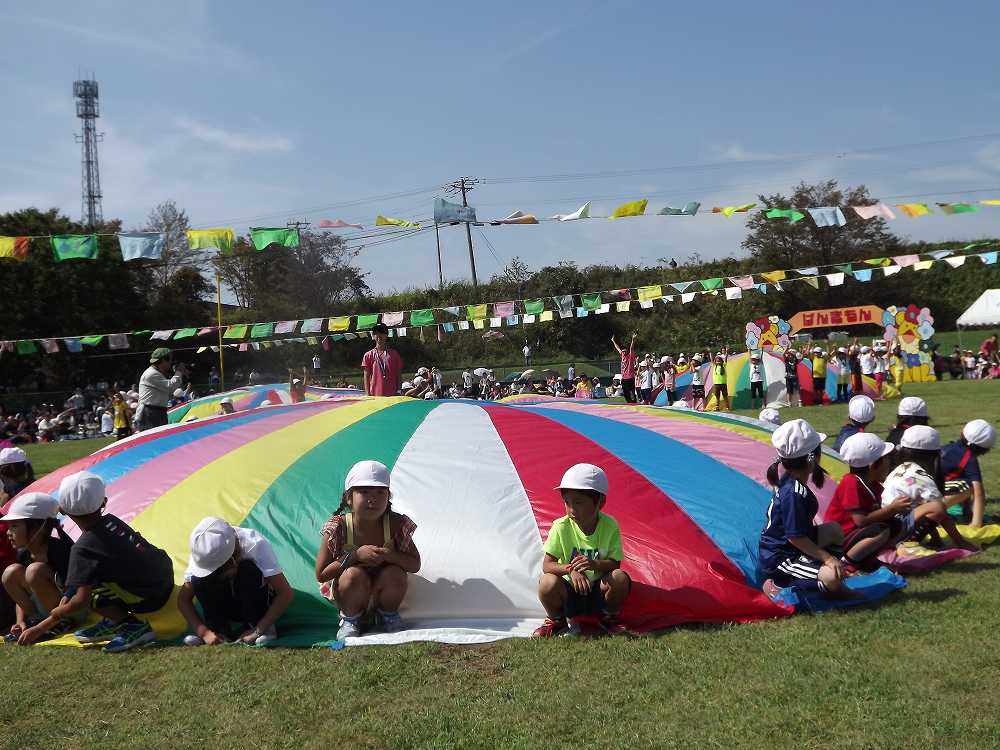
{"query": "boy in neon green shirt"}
pixel 581 571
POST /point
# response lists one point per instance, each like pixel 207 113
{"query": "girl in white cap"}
pixel 756 381
pixel 16 472
pixel 911 410
pixel 367 551
pixel 963 479
pixel 819 373
pixel 581 570
pixel 235 576
pixel 35 582
pixel 860 413
pixel 697 384
pixel 843 374
pixel 794 551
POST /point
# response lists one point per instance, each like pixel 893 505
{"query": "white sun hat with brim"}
pixel 920 437
pixel 367 474
pixel 32 505
pixel 796 438
pixel 864 449
pixel 213 543
pixel 585 477
pixel 980 432
pixel 81 494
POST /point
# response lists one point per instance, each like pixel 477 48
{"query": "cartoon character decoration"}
pixel 908 328
pixel 770 333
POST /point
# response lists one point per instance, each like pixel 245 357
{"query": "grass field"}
pixel 921 670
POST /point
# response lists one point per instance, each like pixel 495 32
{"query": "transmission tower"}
pixel 85 93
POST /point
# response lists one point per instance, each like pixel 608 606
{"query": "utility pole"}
pixel 463 185
pixel 300 225
pixel 437 235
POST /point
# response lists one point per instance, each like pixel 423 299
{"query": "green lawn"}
pixel 921 670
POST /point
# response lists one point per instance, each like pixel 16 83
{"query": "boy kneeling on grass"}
pixel 111 567
pixel 581 572
pixel 235 576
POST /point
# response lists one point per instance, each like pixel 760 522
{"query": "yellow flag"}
pixel 990 202
pixel 730 210
pixel 211 239
pixel 340 324
pixel 647 293
pixel 635 208
pixel 812 281
pixel 480 324
pixel 546 316
pixel 913 210
pixel 774 276
pixel 383 221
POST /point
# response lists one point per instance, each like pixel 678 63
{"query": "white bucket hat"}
pixel 912 406
pixel 12 456
pixel 980 432
pixel 921 437
pixel 864 449
pixel 796 438
pixel 585 477
pixel 861 409
pixel 81 493
pixel 770 415
pixel 367 474
pixel 32 505
pixel 213 542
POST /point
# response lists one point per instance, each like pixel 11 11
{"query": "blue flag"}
pixel 136 245
pixel 446 212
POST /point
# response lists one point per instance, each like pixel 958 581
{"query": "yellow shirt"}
pixel 819 367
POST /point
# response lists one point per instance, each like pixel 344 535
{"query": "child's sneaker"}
pixel 613 625
pixel 550 628
pixel 350 627
pixel 267 636
pixel 771 589
pixel 130 634
pixel 573 630
pixel 104 630
pixel 391 621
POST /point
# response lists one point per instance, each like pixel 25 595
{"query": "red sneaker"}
pixel 550 628
pixel 613 626
pixel 770 588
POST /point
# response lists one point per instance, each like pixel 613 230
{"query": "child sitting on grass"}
pixel 581 571
pixel 860 414
pixel 794 551
pixel 35 581
pixel 963 479
pixel 235 577
pixel 367 551
pixel 111 568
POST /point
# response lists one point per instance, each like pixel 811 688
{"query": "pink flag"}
pixel 743 282
pixel 286 326
pixel 620 294
pixel 503 309
pixel 326 343
pixel 338 224
pixel 870 212
pixel 161 335
pixel 117 341
pixel 392 319
pixel 206 329
pixel 50 346
pixel 906 260
pixel 244 347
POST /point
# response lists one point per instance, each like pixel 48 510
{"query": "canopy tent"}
pixel 478 478
pixel 985 311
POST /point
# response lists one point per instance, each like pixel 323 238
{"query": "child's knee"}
pixel 13 574
pixel 829 579
pixel 354 579
pixel 829 534
pixel 37 572
pixel 392 576
pixel 616 583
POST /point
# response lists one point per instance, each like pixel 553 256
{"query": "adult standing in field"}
pixel 155 388
pixel 317 366
pixel 628 368
pixel 381 365
pixel 989 347
pixel 527 353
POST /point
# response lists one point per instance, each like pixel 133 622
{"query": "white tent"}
pixel 985 311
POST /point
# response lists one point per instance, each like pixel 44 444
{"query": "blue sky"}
pixel 256 114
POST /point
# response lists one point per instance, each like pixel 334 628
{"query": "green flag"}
pixel 367 321
pixel 845 268
pixel 534 306
pixel 476 312
pixel 261 330
pixel 91 340
pixel 785 213
pixel 75 246
pixel 421 317
pixel 185 333
pixel 711 283
pixel 234 332
pixel 591 300
pixel 285 236
pixel 26 347
pixel 958 208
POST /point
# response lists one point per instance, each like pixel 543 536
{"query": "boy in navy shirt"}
pixel 963 479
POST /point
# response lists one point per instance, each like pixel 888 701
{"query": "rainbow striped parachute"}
pixel 251 397
pixel 478 478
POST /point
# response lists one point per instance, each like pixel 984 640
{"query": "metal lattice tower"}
pixel 85 93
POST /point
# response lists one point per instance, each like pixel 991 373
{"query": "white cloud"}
pixel 233 141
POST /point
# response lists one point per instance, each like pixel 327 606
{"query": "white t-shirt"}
pixel 645 378
pixel 696 378
pixel 867 364
pixel 316 362
pixel 107 423
pixel 467 379
pixel 571 373
pixel 255 548
pixel 526 350
pixel 756 375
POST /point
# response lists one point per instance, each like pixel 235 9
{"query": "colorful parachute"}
pixel 688 490
pixel 251 397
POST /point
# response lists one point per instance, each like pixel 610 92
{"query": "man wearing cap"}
pixel 381 365
pixel 155 388
pixel 860 413
pixel 963 479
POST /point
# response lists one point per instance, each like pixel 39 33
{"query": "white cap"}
pixel 817 350
pixel 213 542
pixel 681 404
pixel 912 406
pixel 841 350
pixel 407 385
pixel 585 477
pixel 861 409
pixel 296 380
pixel 32 505
pixel 266 402
pixel 12 456
pixel 178 392
pixel 865 349
pixel 367 474
pixel 770 415
pixel 423 371
pixel 81 493
pixel 696 358
pixel 921 437
pixel 226 400
pixel 664 360
pixel 419 380
pixel 796 438
pixel 681 360
pixel 980 432
pixel 864 449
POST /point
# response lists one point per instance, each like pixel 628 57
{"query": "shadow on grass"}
pixel 970 567
pixel 933 597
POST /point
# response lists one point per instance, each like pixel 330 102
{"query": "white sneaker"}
pixel 269 635
pixel 193 640
pixel 348 629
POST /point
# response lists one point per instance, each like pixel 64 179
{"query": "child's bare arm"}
pixel 552 566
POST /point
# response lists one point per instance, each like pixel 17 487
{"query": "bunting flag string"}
pixel 520 312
